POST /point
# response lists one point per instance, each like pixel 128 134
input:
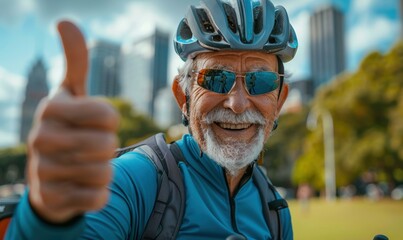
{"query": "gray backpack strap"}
pixel 166 216
pixel 271 203
pixel 172 218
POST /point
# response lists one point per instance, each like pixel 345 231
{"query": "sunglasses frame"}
pixel 237 74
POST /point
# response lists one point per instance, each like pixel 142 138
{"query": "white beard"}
pixel 234 154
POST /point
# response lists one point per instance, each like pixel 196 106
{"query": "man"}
pixel 230 92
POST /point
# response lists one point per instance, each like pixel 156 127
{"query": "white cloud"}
pixel 363 5
pixel 372 5
pixel 128 25
pixel 7 138
pixel 299 66
pixel 10 83
pixel 11 12
pixel 11 88
pixel 371 27
pixel 371 33
pixel 56 72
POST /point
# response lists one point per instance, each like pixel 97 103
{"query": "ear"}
pixel 179 94
pixel 282 98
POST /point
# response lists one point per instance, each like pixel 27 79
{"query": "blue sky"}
pixel 27 31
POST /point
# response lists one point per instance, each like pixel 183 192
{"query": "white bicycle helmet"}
pixel 236 25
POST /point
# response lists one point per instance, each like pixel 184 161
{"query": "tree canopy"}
pixel 367 111
pixel 134 126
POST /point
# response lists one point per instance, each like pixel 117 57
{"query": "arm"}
pixel 133 194
pixel 69 150
pixel 286 224
pixel 132 197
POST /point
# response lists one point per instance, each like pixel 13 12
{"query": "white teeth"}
pixel 234 126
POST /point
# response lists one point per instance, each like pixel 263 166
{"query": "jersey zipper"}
pixel 242 182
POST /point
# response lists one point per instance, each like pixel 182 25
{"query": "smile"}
pixel 233 126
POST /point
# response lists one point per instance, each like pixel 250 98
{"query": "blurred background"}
pixel 338 151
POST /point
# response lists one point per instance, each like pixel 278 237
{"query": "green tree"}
pixel 12 164
pixel 284 146
pixel 366 107
pixel 134 126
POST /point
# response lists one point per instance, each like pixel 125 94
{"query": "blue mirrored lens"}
pixel 261 82
pixel 218 81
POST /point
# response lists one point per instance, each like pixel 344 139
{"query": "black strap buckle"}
pixel 278 204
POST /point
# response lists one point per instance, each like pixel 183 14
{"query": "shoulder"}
pixel 286 223
pixel 133 160
pixel 135 175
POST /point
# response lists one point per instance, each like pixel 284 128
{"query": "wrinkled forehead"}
pixel 237 60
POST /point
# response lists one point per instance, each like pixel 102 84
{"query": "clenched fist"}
pixel 71 143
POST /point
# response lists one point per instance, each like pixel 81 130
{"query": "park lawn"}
pixel 356 219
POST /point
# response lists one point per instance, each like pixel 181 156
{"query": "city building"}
pixel 167 112
pixel 327 44
pixel 104 69
pixel 145 71
pixel 300 93
pixel 36 89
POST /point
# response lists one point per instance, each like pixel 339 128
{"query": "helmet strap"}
pixel 275 125
pixel 185 117
pixel 280 71
pixel 185 120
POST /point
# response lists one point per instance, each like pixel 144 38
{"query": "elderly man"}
pixel 230 91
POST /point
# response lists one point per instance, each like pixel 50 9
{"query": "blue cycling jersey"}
pixel 211 213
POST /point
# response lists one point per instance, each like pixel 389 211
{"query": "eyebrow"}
pixel 229 68
pixel 221 67
pixel 261 68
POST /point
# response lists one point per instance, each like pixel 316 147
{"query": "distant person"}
pixel 76 192
pixel 304 194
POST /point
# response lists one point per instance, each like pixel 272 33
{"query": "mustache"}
pixel 226 115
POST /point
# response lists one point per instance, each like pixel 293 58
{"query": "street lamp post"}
pixel 328 138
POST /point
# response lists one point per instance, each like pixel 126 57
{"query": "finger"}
pixel 76 55
pixel 67 195
pixel 85 174
pixel 74 145
pixel 83 112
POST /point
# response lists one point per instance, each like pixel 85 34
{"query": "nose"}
pixel 238 100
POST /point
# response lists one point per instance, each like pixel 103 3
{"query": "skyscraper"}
pixel 167 112
pixel 327 49
pixel 145 70
pixel 104 69
pixel 36 89
pixel 159 71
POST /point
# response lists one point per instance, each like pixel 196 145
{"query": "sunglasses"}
pixel 222 81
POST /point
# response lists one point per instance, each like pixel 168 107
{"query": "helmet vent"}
pixel 231 17
pixel 185 31
pixel 278 26
pixel 258 20
pixel 205 21
pixel 216 38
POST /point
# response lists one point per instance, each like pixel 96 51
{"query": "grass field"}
pixel 357 219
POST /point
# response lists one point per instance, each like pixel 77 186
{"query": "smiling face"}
pixel 232 127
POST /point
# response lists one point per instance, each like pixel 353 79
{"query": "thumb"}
pixel 76 55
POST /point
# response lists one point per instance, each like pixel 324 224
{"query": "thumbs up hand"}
pixel 76 55
pixel 71 143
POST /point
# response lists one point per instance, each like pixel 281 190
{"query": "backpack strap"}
pixel 166 216
pixel 271 203
pixel 177 152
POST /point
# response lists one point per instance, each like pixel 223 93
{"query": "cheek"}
pixel 267 106
pixel 202 102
